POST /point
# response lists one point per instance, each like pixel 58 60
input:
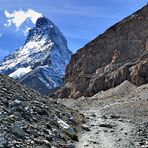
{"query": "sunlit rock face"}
pixel 119 54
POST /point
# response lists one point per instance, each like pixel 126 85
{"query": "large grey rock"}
pixel 17 131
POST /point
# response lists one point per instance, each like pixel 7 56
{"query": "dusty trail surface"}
pixel 117 118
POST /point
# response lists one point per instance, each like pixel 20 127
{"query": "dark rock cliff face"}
pixel 120 53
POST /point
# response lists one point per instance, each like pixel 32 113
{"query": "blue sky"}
pixel 79 20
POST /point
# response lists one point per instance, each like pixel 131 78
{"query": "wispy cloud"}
pixel 0 35
pixel 17 18
pixel 87 11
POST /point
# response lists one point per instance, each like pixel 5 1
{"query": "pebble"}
pixel 107 125
pixel 85 127
pixel 70 145
pixel 119 139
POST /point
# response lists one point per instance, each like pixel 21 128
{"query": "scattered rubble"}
pixel 28 119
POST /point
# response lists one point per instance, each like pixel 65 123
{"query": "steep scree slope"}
pixel 29 120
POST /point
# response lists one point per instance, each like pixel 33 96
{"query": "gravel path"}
pixel 117 118
pixel 105 133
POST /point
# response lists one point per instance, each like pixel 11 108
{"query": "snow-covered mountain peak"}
pixel 44 56
pixel 43 21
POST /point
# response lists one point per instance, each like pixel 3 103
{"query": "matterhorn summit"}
pixel 40 63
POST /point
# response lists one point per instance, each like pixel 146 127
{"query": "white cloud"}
pixel 0 35
pixel 17 18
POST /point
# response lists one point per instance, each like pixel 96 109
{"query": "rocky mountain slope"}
pixel 29 120
pixel 40 63
pixel 120 53
pixel 116 118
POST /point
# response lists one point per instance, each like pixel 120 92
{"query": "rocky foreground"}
pixel 116 118
pixel 28 120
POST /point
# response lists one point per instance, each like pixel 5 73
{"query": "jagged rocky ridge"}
pixel 120 53
pixel 29 120
pixel 40 63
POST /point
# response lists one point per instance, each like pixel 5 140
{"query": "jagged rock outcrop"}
pixel 40 63
pixel 120 53
pixel 28 119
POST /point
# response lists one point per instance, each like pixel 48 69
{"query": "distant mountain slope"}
pixel 40 63
pixel 120 53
